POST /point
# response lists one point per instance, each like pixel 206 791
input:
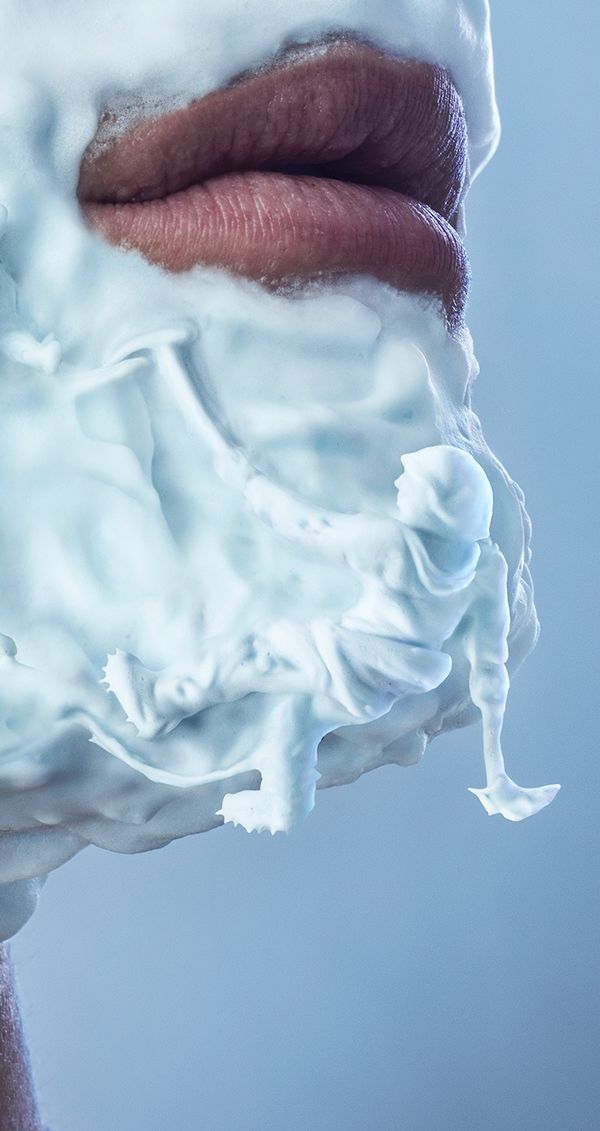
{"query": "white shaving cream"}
pixel 252 544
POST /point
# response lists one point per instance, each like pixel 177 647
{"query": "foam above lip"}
pixel 168 55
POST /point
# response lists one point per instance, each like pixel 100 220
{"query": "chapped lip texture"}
pixel 343 160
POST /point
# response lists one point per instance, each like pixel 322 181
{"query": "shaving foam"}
pixel 252 543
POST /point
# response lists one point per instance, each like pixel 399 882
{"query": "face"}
pixel 231 301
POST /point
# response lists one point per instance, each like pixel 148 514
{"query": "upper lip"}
pixel 347 112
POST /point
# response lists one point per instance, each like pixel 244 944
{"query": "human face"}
pixel 183 414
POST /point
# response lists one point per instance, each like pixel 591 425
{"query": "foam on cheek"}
pixel 215 565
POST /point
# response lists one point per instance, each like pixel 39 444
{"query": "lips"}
pixel 334 160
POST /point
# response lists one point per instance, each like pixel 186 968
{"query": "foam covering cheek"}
pixel 222 584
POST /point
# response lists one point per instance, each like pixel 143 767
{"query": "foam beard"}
pixel 222 585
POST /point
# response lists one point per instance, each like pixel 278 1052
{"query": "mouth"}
pixel 336 159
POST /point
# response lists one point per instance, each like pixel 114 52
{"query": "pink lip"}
pixel 340 161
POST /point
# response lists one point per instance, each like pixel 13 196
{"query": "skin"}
pixel 18 1104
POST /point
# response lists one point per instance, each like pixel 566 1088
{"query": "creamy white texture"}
pixel 218 571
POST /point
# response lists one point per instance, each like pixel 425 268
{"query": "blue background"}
pixel 401 962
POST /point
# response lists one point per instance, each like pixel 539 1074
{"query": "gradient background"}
pixel 402 962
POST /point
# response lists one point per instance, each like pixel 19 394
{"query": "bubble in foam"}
pixel 252 544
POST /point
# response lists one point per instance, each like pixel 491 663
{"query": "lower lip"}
pixel 279 228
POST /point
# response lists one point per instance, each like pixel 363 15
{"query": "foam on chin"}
pixel 152 539
pixel 199 503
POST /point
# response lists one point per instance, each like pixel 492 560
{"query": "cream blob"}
pixel 253 543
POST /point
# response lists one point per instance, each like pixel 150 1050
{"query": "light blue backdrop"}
pixel 402 962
